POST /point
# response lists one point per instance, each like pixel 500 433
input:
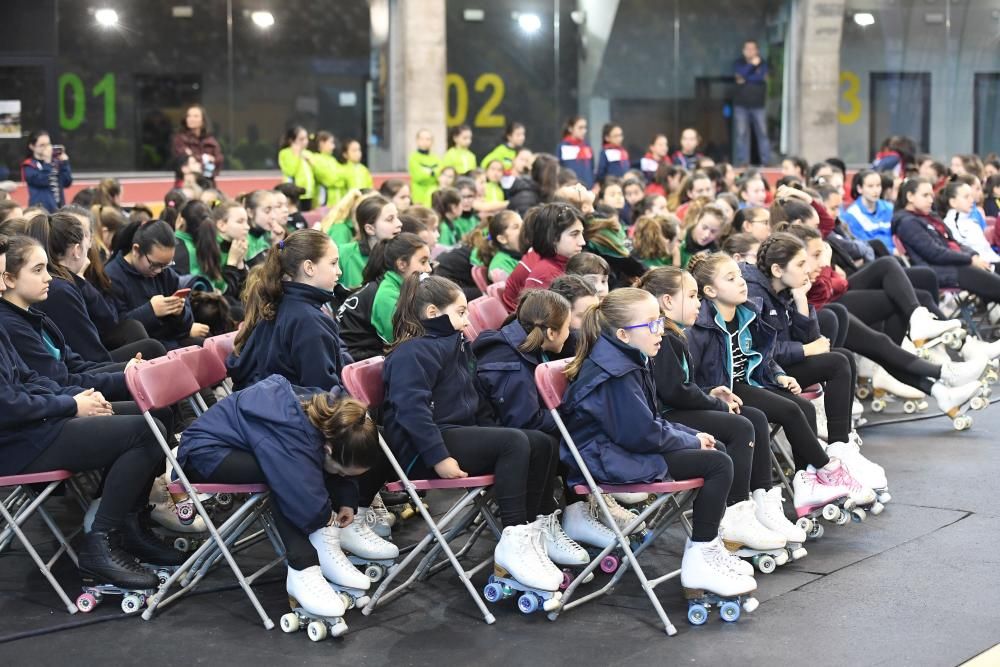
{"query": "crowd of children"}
pixel 698 308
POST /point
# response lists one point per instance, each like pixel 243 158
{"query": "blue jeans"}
pixel 742 117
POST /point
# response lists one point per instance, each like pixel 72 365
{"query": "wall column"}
pixel 817 93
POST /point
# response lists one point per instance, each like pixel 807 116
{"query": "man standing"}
pixel 749 101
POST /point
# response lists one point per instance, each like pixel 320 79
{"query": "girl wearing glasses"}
pixel 610 410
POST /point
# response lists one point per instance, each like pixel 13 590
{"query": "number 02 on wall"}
pixel 458 108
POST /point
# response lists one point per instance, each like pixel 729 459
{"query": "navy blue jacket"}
pixel 33 410
pixel 578 156
pixel 37 174
pixel 268 421
pixel 708 341
pixel 925 246
pixel 302 343
pixel 791 327
pixel 507 376
pixel 430 387
pixel 26 328
pixel 610 410
pixel 751 94
pixel 672 375
pixel 69 309
pixel 132 291
pixel 613 161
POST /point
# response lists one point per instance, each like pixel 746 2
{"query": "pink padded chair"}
pixel 479 277
pixel 551 381
pixel 157 384
pixel 205 366
pixel 363 381
pixel 495 290
pixel 486 312
pixel 222 346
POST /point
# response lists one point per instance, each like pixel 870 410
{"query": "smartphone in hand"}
pixel 182 293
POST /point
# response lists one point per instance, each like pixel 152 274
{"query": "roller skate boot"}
pixel 176 517
pixel 955 401
pixel 372 554
pixel 622 516
pixel 959 373
pixel 868 473
pixel 561 549
pixel 771 512
pixel 885 386
pixel 106 569
pixel 836 473
pixel 926 330
pixel 976 349
pixel 582 523
pixel 139 540
pixel 521 565
pixel 337 568
pixel 316 607
pixel 708 579
pixel 384 519
pixel 745 536
pixel 814 498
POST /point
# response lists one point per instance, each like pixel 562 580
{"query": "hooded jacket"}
pixel 268 421
pixel 71 312
pixel 578 156
pixel 132 291
pixel 532 272
pixel 355 319
pixel 708 342
pixel 302 344
pixel 791 327
pixel 671 370
pixel 46 182
pixel 508 378
pixel 610 410
pixel 928 245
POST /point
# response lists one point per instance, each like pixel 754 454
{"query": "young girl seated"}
pixel 592 268
pixel 742 247
pixel 376 219
pixel 500 249
pixel 956 205
pixel 439 426
pixel 610 410
pixel 701 233
pixel 305 446
pixel 265 218
pixel 447 203
pixel 144 286
pixel 554 234
pixel 656 241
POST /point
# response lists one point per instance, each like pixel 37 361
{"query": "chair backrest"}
pixel 990 233
pixel 204 364
pixel 312 218
pixel 486 312
pixel 222 345
pixel 495 290
pixel 479 277
pixel 900 248
pixel 550 378
pixel 160 382
pixel 363 380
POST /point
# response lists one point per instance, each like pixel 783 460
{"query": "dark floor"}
pixel 917 585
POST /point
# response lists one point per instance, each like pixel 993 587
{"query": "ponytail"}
pixel 418 292
pixel 486 244
pixel 57 233
pixel 908 187
pixel 346 428
pixel 614 312
pixel 650 242
pixel 537 312
pixel 665 280
pixel 146 235
pixel 198 223
pixel 342 211
pixel 387 252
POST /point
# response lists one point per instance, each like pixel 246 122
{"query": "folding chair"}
pixel 479 277
pixel 487 312
pixel 207 369
pixel 157 384
pixel 551 381
pixel 222 346
pixel 20 505
pixel 496 289
pixel 364 382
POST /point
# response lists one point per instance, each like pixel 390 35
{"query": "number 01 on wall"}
pixel 458 106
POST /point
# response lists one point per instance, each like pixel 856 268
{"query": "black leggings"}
pixel 795 415
pixel 124 333
pixel 884 276
pixel 833 322
pixel 122 444
pixel 738 435
pixel 716 468
pixel 877 346
pixel 833 370
pixel 984 284
pixel 148 347
pixel 523 461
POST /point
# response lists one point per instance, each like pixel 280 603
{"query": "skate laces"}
pixel 842 477
pixel 332 540
pixel 120 557
pixel 378 508
pixel 553 531
pixel 720 557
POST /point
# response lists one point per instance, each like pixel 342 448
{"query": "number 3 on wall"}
pixel 486 117
pixel 850 106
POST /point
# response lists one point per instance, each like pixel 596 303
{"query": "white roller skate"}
pixel 813 499
pixel 866 371
pixel 582 523
pixel 953 401
pixel 520 564
pixel 975 349
pixel 621 515
pixel 745 536
pixel 771 513
pixel 837 473
pixel 175 517
pixel 867 472
pixel 708 579
pixel 373 555
pixel 337 568
pixel 926 330
pixel 885 386
pixel 631 498
pixel 383 520
pixel 958 373
pixel 561 549
pixel 315 605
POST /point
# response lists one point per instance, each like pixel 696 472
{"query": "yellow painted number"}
pixel 850 107
pixel 461 99
pixel 486 117
pixel 457 111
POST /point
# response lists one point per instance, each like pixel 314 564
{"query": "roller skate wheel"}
pixel 782 557
pixel 589 578
pixel 765 564
pixel 805 523
pixel 884 497
pixel 181 544
pixel 609 564
pixel 566 581
pixel 407 512
pixel 962 422
pixel 289 623
pixel 844 518
pixel 858 515
pixel 316 631
pixel 909 407
pixel 493 592
pixel 347 600
pixel 862 392
pixel 131 603
pixel 750 605
pixel 527 603
pixel 878 405
pixel 730 611
pixel 185 512
pixel 338 629
pixel 86 603
pixel 508 592
pixel 362 602
pixel 375 572
pixel 797 553
pixel 817 531
pixel 224 499
pixel 552 604
pixel 876 508
pixel 162 576
pixel 697 614
pixel 978 403
pixel 831 512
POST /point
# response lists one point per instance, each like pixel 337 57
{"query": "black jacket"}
pixel 132 291
pixel 70 310
pixel 671 370
pixel 523 194
pixel 356 328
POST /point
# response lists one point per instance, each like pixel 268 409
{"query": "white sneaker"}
pixel 951 399
pixel 521 554
pixel 837 473
pixel 958 373
pixel 867 473
pixel 582 525
pixel 166 513
pixel 740 528
pixel 771 513
pixel 359 539
pixel 705 567
pixel 560 548
pixel 336 567
pixel 621 515
pixel 312 592
pixel 924 326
